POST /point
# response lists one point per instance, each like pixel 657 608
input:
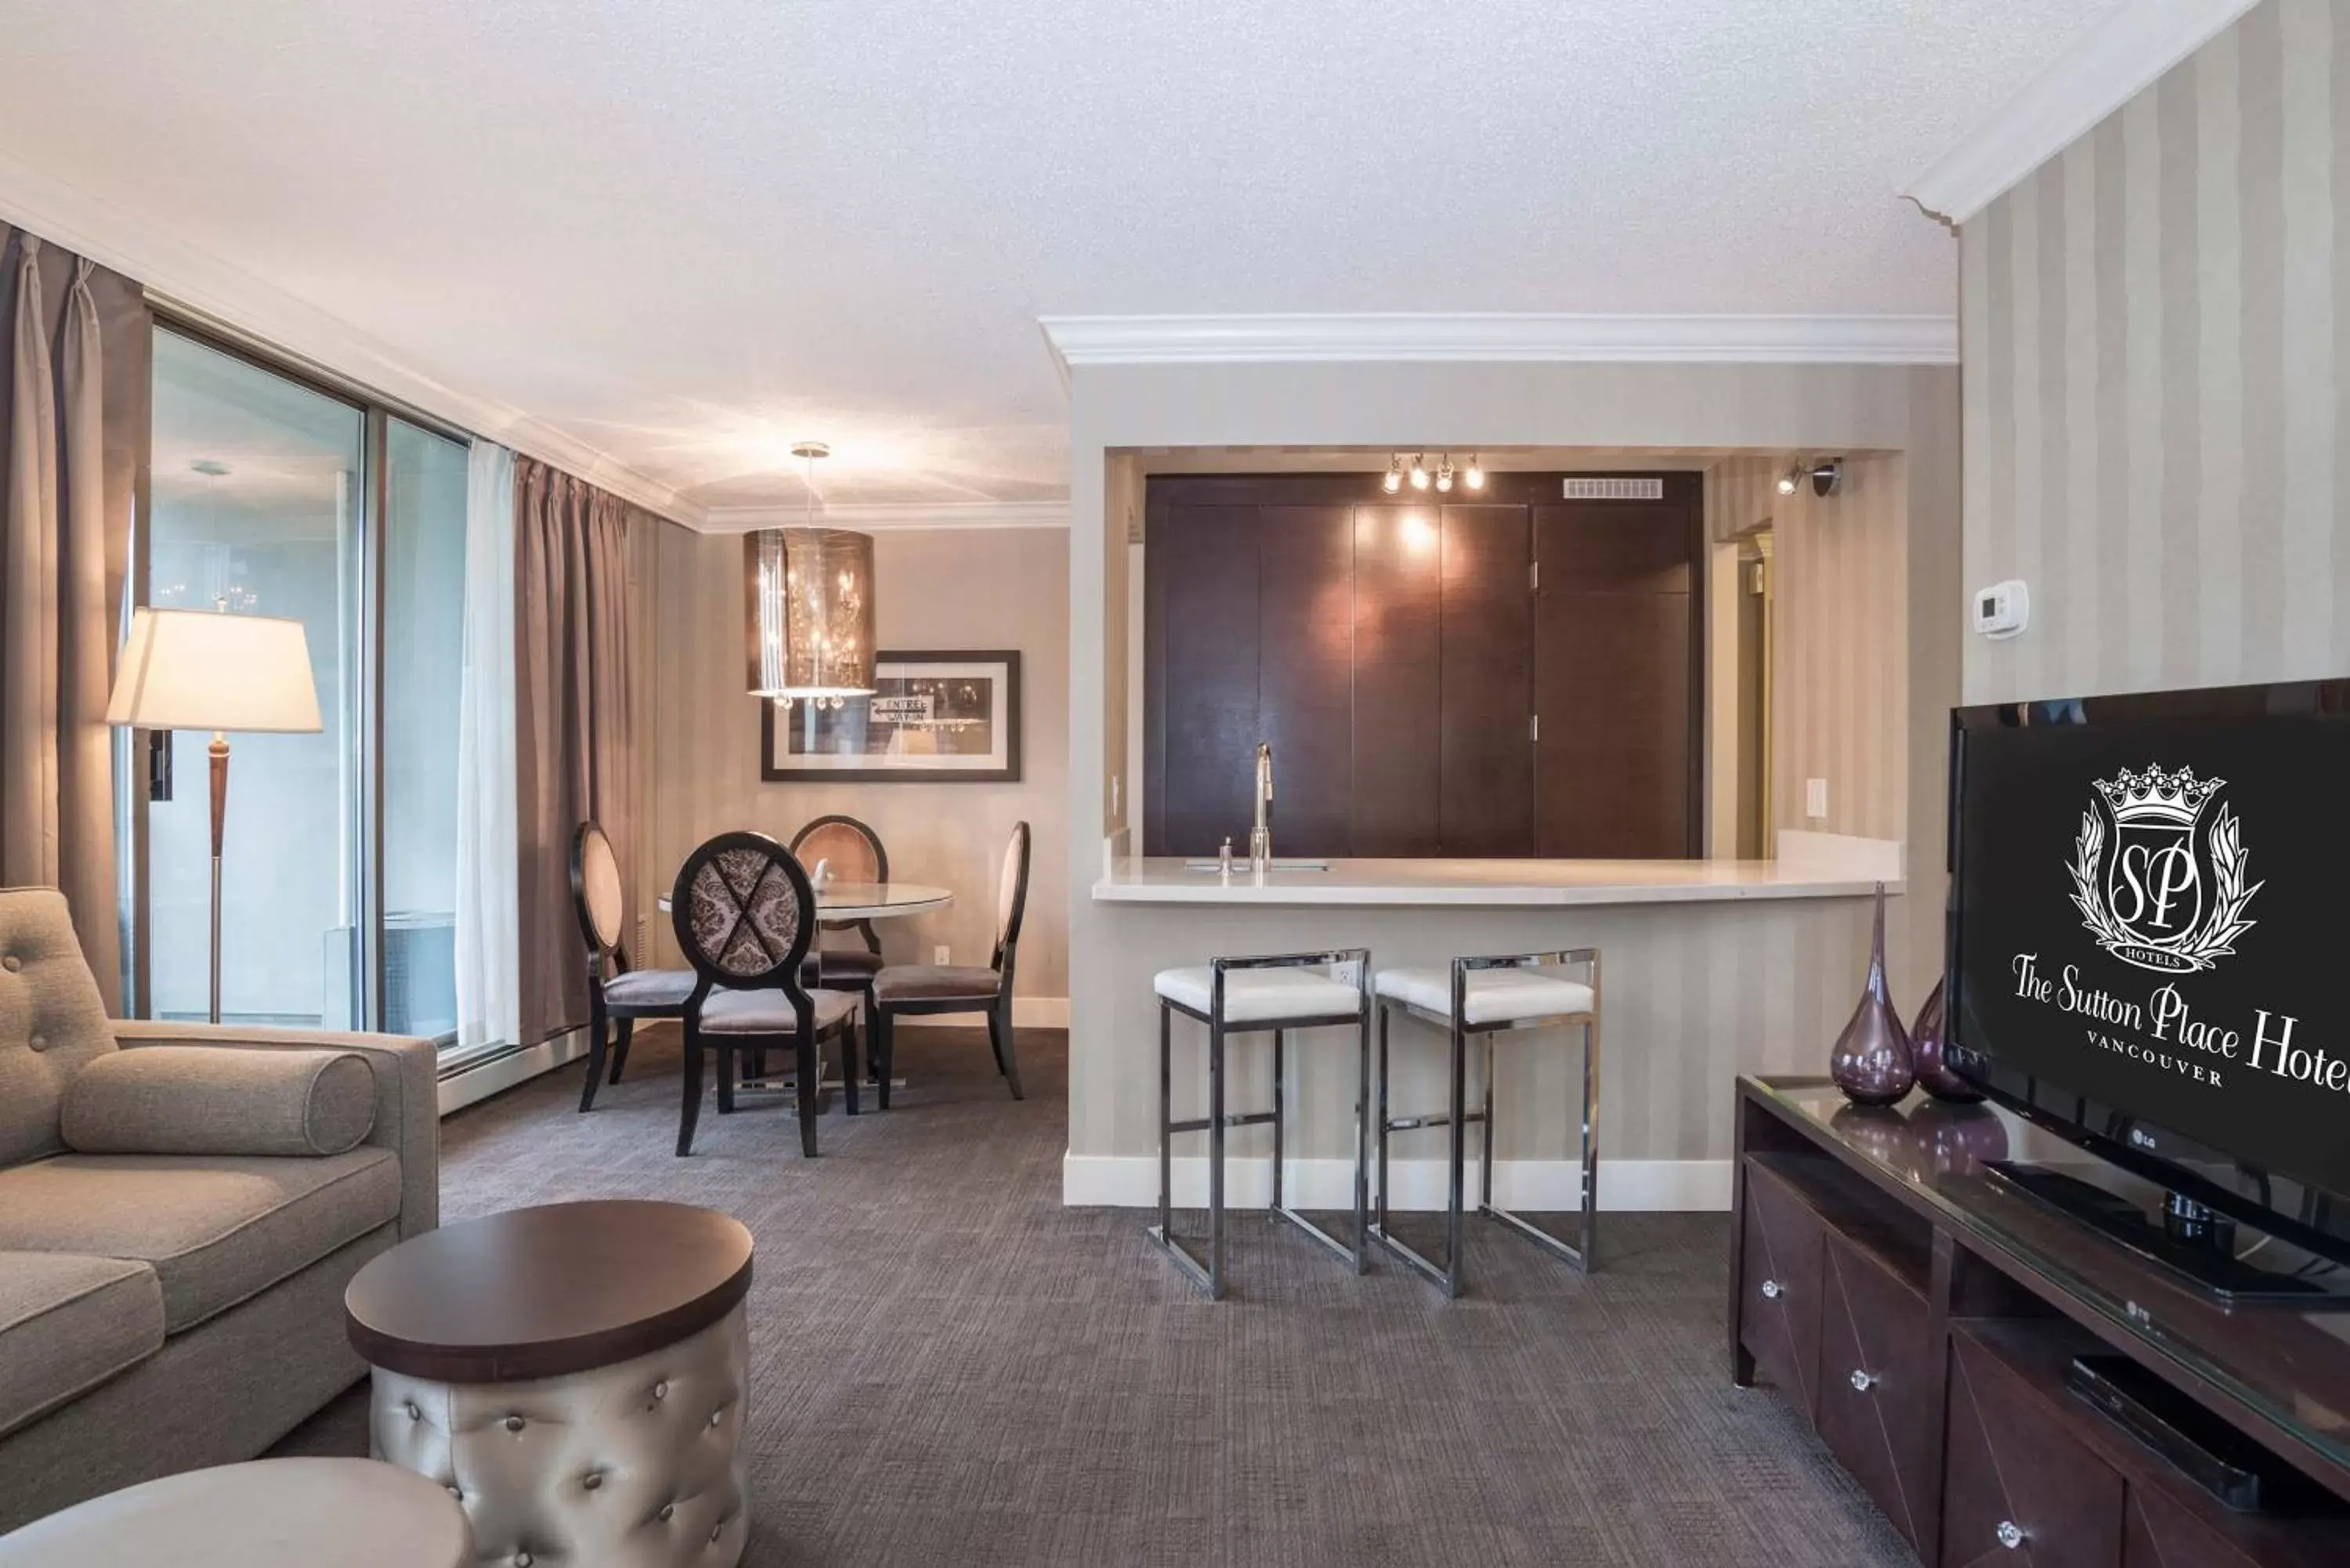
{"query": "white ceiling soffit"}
pixel 244 308
pixel 1501 337
pixel 878 517
pixel 2114 60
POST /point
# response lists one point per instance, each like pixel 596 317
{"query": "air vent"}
pixel 1614 490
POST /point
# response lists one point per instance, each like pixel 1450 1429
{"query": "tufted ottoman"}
pixel 270 1514
pixel 575 1376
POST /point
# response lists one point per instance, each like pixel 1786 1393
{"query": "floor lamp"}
pixel 207 670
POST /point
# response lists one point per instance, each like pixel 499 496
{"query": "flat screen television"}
pixel 2150 937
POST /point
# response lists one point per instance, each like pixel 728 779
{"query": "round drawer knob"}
pixel 1773 1289
pixel 1862 1381
pixel 2010 1534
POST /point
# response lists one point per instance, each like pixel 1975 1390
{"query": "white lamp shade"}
pixel 208 669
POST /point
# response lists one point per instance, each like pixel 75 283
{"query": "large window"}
pixel 271 496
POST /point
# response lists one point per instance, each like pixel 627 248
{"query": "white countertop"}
pixel 1824 867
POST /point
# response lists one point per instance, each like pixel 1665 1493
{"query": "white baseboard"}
pixel 1132 1181
pixel 1027 1013
pixel 463 1088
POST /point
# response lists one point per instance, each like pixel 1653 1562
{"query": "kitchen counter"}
pixel 1812 866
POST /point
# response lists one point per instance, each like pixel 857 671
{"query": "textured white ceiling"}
pixel 690 234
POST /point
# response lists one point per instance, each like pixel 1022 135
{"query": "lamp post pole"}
pixel 218 753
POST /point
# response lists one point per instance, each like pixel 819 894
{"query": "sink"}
pixel 1240 867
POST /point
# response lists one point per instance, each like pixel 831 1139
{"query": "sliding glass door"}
pixel 268 496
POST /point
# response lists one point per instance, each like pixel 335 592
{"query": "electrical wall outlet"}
pixel 1816 797
pixel 939 954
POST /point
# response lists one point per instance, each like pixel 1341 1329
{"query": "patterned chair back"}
pixel 744 913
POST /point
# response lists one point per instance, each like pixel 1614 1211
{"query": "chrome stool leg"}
pixel 1445 1274
pixel 1163 1234
pixel 1584 1251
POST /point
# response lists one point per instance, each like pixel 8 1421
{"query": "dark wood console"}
pixel 1922 1316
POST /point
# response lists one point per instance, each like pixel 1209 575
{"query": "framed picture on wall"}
pixel 949 717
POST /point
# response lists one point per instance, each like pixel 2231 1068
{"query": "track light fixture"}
pixel 1443 477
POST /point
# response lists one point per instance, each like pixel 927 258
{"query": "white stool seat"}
pixel 1494 995
pixel 1260 996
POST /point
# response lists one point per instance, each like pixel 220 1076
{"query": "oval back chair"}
pixel 903 989
pixel 616 995
pixel 745 914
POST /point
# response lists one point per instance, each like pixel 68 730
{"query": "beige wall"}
pixel 1685 1039
pixel 1840 683
pixel 2156 334
pixel 938 589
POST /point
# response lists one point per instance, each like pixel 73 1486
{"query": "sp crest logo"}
pixel 2158 873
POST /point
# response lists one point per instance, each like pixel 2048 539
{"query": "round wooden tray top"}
pixel 549 1291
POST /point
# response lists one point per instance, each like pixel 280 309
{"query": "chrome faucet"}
pixel 1261 835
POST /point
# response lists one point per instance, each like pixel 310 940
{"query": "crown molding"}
pixel 892 517
pixel 190 281
pixel 1471 338
pixel 2110 64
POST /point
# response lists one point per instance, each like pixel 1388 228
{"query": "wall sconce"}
pixel 1826 477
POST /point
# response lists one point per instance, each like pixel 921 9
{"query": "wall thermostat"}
pixel 2003 609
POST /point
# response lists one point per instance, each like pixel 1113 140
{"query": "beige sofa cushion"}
pixel 210 1099
pixel 52 1019
pixel 217 1229
pixel 67 1325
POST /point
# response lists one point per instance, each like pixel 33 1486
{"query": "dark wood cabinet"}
pixel 1506 675
pixel 1930 1356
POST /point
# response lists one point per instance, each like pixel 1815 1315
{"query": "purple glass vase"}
pixel 1926 1042
pixel 1871 1062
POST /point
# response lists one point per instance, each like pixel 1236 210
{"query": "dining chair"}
pixel 851 851
pixel 922 988
pixel 745 915
pixel 617 996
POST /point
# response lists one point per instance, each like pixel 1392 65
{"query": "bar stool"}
pixel 1252 995
pixel 1488 996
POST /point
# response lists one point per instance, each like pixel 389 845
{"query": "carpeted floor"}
pixel 952 1368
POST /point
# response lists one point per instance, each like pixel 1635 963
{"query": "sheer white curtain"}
pixel 489 925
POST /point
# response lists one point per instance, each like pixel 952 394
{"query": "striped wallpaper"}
pixel 2155 334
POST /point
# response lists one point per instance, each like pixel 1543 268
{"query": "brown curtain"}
pixel 575 721
pixel 73 440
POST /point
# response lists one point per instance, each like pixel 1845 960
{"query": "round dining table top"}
pixel 838 901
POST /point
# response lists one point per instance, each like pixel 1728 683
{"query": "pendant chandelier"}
pixel 811 606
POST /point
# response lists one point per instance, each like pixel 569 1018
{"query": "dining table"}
pixel 868 901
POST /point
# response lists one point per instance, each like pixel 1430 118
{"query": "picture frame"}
pixel 936 716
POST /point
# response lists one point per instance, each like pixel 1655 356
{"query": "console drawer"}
pixel 2158 1533
pixel 2017 1486
pixel 1779 1305
pixel 1877 1368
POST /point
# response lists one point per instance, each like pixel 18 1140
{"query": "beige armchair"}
pixel 181 1207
